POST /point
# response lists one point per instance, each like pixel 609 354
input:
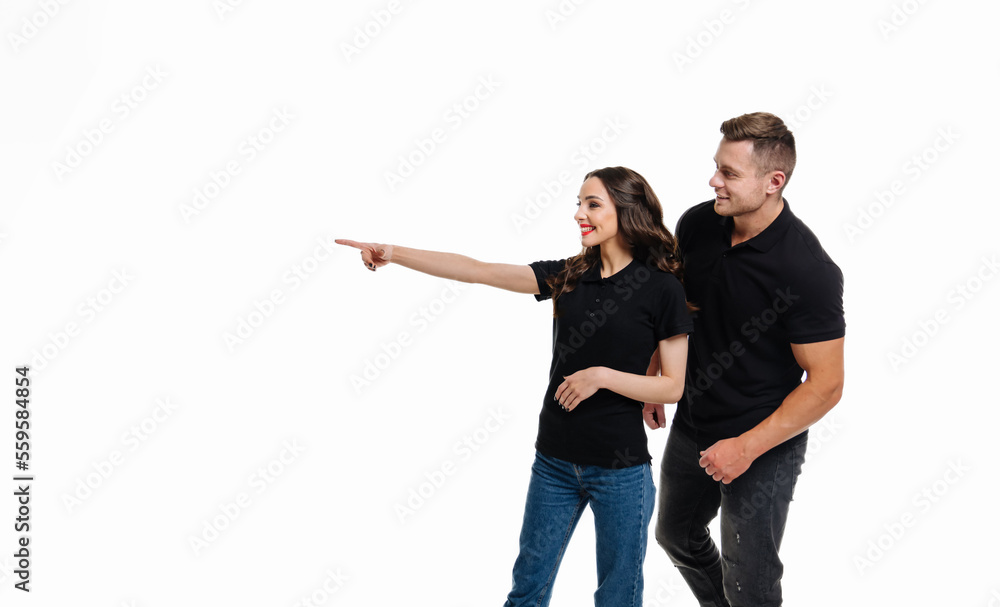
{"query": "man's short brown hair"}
pixel 773 143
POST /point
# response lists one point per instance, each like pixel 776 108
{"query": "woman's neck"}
pixel 614 257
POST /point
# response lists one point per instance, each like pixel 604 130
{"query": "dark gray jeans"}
pixel 747 572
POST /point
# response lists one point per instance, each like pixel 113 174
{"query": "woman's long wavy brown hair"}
pixel 640 222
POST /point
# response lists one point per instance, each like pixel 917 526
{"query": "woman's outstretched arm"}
pixel 511 277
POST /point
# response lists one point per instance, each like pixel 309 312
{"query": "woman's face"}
pixel 596 214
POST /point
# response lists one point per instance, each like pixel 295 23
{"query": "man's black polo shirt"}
pixel 754 299
pixel 614 322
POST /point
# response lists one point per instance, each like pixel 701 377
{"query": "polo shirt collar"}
pixel 594 273
pixel 770 236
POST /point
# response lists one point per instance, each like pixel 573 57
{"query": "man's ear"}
pixel 776 182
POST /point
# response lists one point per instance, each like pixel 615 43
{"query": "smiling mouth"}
pixel 585 229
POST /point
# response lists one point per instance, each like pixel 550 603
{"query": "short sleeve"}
pixel 670 314
pixel 681 227
pixel 543 270
pixel 816 306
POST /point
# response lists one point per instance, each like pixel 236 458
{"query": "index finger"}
pixel 350 243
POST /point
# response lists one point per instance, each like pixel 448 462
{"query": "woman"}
pixel 618 305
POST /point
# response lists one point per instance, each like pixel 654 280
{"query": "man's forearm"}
pixel 805 406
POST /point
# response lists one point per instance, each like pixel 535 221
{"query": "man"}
pixel 770 307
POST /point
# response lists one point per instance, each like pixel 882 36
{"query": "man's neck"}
pixel 749 225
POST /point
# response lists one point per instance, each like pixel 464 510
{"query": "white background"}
pixel 120 288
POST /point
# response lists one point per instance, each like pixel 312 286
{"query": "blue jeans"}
pixel 747 571
pixel 622 501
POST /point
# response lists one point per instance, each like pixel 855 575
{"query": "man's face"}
pixel 738 189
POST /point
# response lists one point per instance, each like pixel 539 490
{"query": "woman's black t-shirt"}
pixel 614 322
